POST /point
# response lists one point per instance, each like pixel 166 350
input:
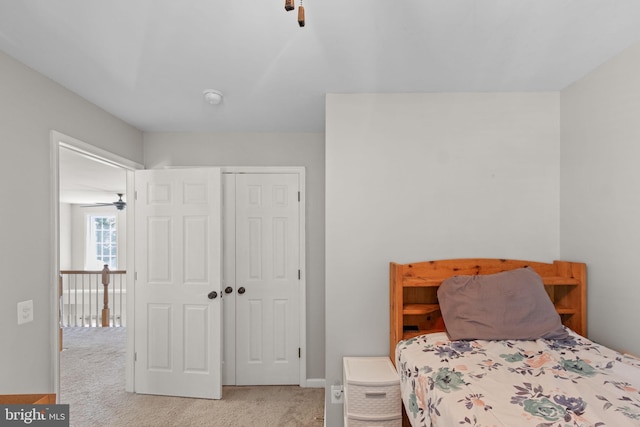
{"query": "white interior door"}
pixel 178 307
pixel 267 277
pixel 229 279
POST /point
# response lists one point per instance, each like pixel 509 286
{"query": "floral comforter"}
pixel 572 382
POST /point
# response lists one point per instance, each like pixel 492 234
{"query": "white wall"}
pixel 294 149
pixel 30 107
pixel 413 177
pixel 600 194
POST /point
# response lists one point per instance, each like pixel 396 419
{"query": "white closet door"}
pixel 178 307
pixel 229 279
pixel 267 279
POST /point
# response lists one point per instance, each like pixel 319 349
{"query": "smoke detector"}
pixel 213 97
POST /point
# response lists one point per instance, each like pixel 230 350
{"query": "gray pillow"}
pixel 508 305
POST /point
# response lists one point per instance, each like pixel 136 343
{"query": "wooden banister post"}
pixel 105 308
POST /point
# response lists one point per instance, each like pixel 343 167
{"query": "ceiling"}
pixel 84 180
pixel 149 61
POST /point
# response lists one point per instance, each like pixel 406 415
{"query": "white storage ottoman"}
pixel 371 393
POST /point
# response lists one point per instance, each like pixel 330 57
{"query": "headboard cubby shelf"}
pixel 414 308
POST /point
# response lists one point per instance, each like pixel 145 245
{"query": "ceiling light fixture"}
pixel 290 5
pixel 301 14
pixel 213 97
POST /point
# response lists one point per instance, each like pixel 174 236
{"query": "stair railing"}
pixel 80 292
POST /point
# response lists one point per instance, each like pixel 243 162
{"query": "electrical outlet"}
pixel 25 312
pixel 337 392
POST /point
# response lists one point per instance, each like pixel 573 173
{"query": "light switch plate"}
pixel 25 311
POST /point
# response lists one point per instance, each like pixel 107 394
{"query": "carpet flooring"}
pixel 92 382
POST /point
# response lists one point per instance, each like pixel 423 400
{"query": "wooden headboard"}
pixel 414 308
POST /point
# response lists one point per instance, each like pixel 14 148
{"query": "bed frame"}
pixel 414 308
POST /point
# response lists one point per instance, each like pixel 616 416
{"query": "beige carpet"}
pixel 92 383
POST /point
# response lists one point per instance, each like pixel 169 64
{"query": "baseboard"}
pixel 315 383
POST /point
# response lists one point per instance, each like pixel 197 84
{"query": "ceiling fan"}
pixel 119 204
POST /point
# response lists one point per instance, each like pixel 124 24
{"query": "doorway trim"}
pixel 59 140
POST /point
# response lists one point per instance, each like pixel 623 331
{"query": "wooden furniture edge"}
pixel 394 273
pixel 24 399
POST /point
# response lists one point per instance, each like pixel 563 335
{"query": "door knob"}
pixel 228 290
pixel 212 295
pixel 241 290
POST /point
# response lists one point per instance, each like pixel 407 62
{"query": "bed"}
pixel 488 342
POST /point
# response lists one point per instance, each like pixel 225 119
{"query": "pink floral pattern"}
pixel 544 383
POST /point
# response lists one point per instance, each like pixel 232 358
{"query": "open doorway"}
pixel 91 233
pixel 93 239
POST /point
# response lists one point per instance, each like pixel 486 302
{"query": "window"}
pixel 102 242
